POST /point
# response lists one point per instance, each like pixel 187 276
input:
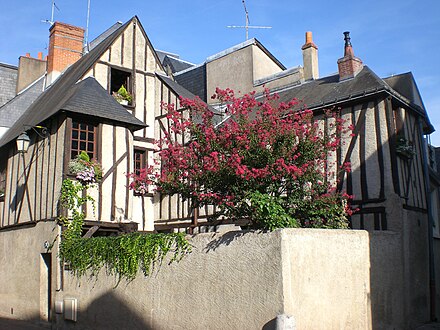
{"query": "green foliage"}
pixel 269 212
pixel 122 255
pixel 123 94
pixel 86 170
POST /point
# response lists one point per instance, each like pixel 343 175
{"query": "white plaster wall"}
pixel 107 163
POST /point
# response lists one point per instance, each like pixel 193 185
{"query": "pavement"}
pixel 9 324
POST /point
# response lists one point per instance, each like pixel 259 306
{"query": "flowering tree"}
pixel 266 161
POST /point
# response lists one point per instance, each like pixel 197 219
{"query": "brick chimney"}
pixel 349 65
pixel 65 48
pixel 310 58
pixel 29 70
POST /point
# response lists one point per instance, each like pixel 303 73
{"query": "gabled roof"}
pixel 87 97
pixel 329 91
pixel 104 35
pixel 405 85
pixel 14 109
pixel 54 97
pixel 8 82
pixel 242 45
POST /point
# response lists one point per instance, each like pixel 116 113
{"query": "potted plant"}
pixel 123 96
pixel 404 148
pixel 85 170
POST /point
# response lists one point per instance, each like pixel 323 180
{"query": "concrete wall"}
pixel 325 279
pixel 29 70
pixel 239 280
pixel 23 285
pixel 234 71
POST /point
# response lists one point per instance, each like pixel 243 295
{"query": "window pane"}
pixel 83 137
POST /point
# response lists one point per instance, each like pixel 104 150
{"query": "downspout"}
pixel 430 224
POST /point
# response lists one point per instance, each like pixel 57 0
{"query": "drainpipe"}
pixel 430 224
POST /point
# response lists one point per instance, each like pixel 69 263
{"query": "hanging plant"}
pixel 123 255
pixel 85 170
pixel 404 148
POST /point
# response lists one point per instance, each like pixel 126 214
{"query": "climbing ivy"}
pixel 123 255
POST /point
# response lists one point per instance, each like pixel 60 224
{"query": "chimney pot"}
pixel 349 65
pixel 308 37
pixel 28 54
pixel 40 55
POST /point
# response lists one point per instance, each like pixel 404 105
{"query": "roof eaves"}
pixel 277 75
pixel 268 53
pixel 231 50
pixel 189 69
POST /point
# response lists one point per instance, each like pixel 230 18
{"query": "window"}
pixel 140 160
pixel 119 78
pixel 83 139
pixel 3 165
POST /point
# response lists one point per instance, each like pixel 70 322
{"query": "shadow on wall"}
pixel 108 312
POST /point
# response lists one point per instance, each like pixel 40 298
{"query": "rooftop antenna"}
pixel 86 39
pixel 247 26
pixel 51 21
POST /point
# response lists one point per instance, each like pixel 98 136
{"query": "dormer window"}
pixel 83 139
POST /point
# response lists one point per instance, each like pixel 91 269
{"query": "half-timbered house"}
pixel 70 109
pixel 391 181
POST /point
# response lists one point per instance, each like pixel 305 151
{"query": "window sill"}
pixel 143 195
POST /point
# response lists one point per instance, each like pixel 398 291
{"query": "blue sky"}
pixel 390 37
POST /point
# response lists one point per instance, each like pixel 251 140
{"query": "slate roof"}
pixel 8 82
pixel 181 91
pixel 89 98
pixel 12 110
pixel 405 85
pixel 161 54
pixel 175 87
pixel 51 100
pixel 176 64
pixel 194 80
pixel 104 35
pixel 328 91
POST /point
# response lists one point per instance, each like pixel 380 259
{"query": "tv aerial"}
pixel 51 21
pixel 247 26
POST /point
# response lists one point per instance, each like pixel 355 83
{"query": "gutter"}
pixel 430 230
